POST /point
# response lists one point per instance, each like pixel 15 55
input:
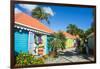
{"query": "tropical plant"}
pixel 58 42
pixel 81 33
pixel 55 45
pixel 45 56
pixel 40 14
pixel 41 47
pixel 62 37
pixel 88 31
pixel 24 59
pixel 72 29
pixel 27 59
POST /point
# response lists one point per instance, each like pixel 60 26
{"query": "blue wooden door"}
pixel 20 40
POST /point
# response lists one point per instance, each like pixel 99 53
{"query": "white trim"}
pixel 25 28
pixel 29 26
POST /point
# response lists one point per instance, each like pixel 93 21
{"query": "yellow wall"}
pixel 69 43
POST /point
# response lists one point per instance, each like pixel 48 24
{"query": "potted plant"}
pixel 40 50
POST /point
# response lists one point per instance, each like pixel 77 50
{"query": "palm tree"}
pixel 40 14
pixel 58 42
pixel 55 45
pixel 72 29
pixel 62 37
pixel 80 32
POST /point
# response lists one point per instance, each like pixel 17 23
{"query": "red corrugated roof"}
pixel 24 19
pixel 68 35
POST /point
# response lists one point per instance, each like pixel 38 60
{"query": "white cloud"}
pixel 28 7
pixel 17 10
pixel 48 10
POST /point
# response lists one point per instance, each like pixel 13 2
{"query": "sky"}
pixel 62 16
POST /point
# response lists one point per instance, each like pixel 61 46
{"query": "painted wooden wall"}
pixel 24 41
pixel 21 40
pixel 69 43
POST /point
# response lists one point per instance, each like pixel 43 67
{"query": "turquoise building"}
pixel 30 35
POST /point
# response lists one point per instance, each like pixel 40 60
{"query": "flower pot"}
pixel 40 51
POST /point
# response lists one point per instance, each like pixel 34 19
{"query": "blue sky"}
pixel 65 15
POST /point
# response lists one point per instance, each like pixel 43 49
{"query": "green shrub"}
pixel 41 47
pixel 27 59
pixel 45 56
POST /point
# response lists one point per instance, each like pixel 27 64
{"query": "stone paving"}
pixel 69 56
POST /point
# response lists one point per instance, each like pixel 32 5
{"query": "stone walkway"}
pixel 69 56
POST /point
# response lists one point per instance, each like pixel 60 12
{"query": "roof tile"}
pixel 29 21
pixel 68 35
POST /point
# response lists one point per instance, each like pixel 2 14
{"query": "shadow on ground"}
pixel 73 53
